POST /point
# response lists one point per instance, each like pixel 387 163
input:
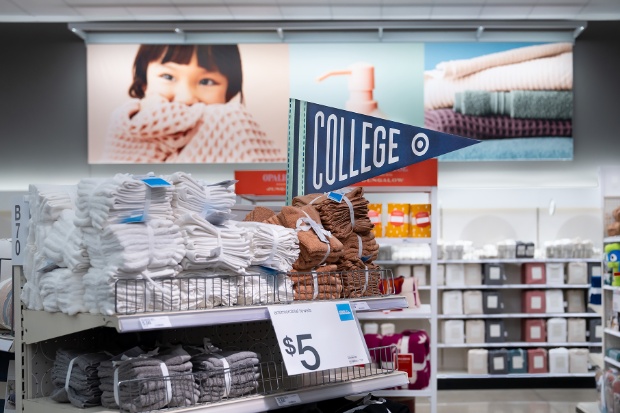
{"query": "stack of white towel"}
pixel 211 246
pixel 261 288
pixel 211 201
pixel 272 246
pixel 64 244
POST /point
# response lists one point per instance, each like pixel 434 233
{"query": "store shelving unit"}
pixel 611 336
pixel 453 356
pixel 465 375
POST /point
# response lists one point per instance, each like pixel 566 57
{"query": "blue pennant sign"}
pixel 330 148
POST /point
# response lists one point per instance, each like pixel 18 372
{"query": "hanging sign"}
pixel 318 336
pixel 330 148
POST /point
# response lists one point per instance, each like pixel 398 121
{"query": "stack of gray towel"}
pixel 75 377
pixel 148 381
pixel 225 374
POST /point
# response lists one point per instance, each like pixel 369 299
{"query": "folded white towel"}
pixel 64 245
pixel 101 202
pixel 272 246
pixel 62 290
pixel 210 246
pixel 212 201
pixel 48 201
pixel 264 289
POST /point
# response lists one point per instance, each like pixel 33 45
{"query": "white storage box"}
pixel 455 275
pixel 419 273
pixel 472 302
pixel 578 360
pixel 554 271
pixel 554 301
pixel 404 270
pixel 556 330
pixel 473 274
pixel 478 361
pixel 558 361
pixel 577 273
pixel 454 332
pixel 576 330
pixel 452 302
pixel 441 274
pixel 576 301
pixel 474 332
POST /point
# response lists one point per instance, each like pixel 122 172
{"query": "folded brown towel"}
pixel 320 296
pixel 370 248
pixel 259 214
pixel 360 279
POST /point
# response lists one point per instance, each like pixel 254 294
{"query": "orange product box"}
pixel 375 213
pixel 397 221
pixel 420 220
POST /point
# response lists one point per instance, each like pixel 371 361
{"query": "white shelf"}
pixel 403 241
pixel 423 312
pixel 590 407
pixel 612 362
pixel 518 315
pixel 41 325
pixel 607 240
pixel 480 261
pixel 514 287
pixel 249 404
pixel 463 375
pixel 612 332
pixel 611 288
pixel 403 393
pixel 520 344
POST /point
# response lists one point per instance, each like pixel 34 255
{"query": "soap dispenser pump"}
pixel 361 86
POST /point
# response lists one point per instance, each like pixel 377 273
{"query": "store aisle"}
pixel 510 401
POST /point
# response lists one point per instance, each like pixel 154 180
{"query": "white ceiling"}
pixel 285 10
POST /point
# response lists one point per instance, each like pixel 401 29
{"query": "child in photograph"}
pixel 187 107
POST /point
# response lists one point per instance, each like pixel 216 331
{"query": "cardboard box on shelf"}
pixel 420 218
pixel 397 221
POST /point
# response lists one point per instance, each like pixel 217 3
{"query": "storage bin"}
pixel 554 301
pixel 537 361
pixel 577 273
pixel 576 330
pixel 478 361
pixel 555 273
pixel 455 275
pixel 473 274
pixel 474 332
pixel 472 302
pixel 454 332
pixel 556 330
pixel 521 249
pixel 498 361
pixel 495 331
pixel 533 273
pixel 397 221
pixel 578 360
pixel 492 302
pixel 534 331
pixel 441 274
pixel 575 301
pixel 558 361
pixel 419 273
pixel 493 274
pixel 517 361
pixel 530 250
pixel 452 302
pixel 595 330
pixel 402 270
pixel 534 301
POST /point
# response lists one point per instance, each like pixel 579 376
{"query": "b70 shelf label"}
pixel 318 336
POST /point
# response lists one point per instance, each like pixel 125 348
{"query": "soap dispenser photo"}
pixel 361 86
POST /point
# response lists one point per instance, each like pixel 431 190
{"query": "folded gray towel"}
pixel 524 104
pixel 83 389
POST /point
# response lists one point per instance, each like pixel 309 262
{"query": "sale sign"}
pixel 331 148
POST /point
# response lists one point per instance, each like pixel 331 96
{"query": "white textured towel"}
pixel 272 246
pixel 264 289
pixel 62 290
pixel 64 245
pixel 48 201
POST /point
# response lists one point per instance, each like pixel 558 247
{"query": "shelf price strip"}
pixel 318 336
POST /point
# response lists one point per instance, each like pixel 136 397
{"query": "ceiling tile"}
pixel 406 12
pixel 305 12
pixel 116 3
pixel 418 3
pixel 563 2
pixel 154 13
pixel 455 12
pixel 104 13
pixel 458 2
pixel 205 12
pixel 354 3
pixel 9 9
pixel 255 12
pixel 44 9
pixel 505 12
pixel 555 12
pixel 240 3
pixel 358 12
pixel 206 3
pixel 35 3
pixel 597 12
pixel 510 3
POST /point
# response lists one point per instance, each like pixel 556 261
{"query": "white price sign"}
pixel 20 215
pixel 318 336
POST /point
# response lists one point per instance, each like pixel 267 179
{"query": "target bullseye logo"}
pixel 419 144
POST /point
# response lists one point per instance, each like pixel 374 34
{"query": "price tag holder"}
pixel 318 336
pixel 361 306
pixel 288 400
pixel 20 216
pixel 616 302
pixel 149 323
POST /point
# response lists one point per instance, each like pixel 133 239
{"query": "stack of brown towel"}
pixel 361 280
pixel 321 284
